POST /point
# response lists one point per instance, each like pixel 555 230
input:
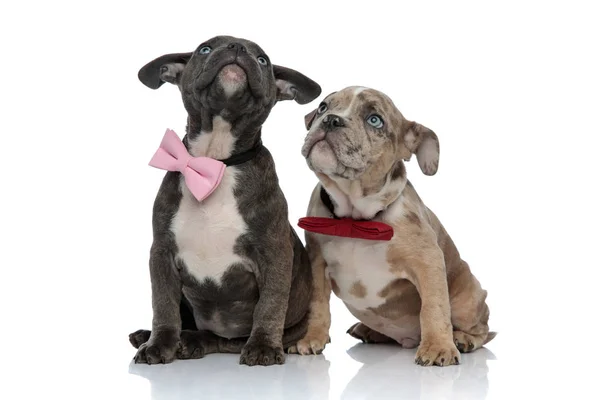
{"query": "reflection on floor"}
pixel 346 370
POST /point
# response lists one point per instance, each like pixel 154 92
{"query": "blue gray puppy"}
pixel 228 273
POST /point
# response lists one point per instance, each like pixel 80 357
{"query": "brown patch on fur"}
pixel 413 218
pixel 358 290
pixel 399 171
pixel 394 287
pixel 402 299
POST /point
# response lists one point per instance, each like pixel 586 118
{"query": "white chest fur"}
pixel 360 270
pixel 206 231
pixel 217 143
pixel 359 267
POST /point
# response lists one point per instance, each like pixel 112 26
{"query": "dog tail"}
pixel 489 337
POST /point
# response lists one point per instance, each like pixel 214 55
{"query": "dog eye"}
pixel 375 121
pixel 205 50
pixel 262 60
pixel 322 108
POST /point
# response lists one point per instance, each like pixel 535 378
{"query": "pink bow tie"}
pixel 202 174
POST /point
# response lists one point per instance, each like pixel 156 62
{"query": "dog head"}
pixel 359 134
pixel 231 78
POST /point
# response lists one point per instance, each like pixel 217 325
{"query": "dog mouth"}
pixel 319 152
pixel 311 141
pixel 233 73
pixel 232 79
pixel 327 155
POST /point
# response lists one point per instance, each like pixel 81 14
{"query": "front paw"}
pixel 159 349
pixel 194 345
pixel 312 343
pixel 261 354
pixel 440 353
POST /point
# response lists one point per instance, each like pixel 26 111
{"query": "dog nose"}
pixel 237 46
pixel 333 121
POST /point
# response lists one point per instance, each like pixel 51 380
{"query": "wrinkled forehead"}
pixel 358 100
pixel 219 41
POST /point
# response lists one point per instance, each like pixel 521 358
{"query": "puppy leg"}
pixel 470 313
pixel 319 320
pixel 274 277
pixel 437 345
pixel 163 342
pixel 367 335
pixel 141 336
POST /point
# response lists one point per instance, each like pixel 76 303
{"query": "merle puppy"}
pixel 228 273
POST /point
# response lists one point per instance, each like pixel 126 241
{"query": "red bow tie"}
pixel 347 227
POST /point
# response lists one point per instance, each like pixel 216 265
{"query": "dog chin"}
pixel 322 158
pixel 232 79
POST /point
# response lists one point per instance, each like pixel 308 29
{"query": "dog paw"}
pixel 138 338
pixel 367 335
pixel 161 348
pixel 261 354
pixel 466 343
pixel 312 343
pixel 193 345
pixel 436 353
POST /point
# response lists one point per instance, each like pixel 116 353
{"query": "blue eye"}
pixel 375 121
pixel 205 50
pixel 262 60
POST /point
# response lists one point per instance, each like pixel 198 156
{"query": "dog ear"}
pixel 163 69
pixel 292 85
pixel 424 143
pixel 309 118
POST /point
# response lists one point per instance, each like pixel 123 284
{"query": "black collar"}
pixel 326 199
pixel 241 158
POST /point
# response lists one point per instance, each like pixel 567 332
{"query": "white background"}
pixel 511 89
